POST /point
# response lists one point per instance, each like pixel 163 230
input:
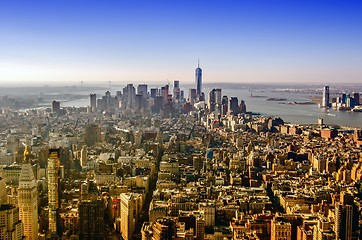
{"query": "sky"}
pixel 251 41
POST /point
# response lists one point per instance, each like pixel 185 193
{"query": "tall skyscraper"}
pixel 214 101
pixel 198 80
pixel 53 190
pixel 176 91
pixel 234 106
pixel 325 100
pixel 93 102
pixel 56 107
pixel 28 199
pixel 356 98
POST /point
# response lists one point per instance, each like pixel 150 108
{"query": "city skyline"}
pixel 236 41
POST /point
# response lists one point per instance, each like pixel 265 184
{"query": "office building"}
pixel 345 218
pixel 142 90
pixel 93 102
pixel 129 93
pixel 198 80
pixel 56 107
pixel 224 105
pixel 192 95
pixel 356 98
pixel 234 106
pixel 129 214
pixel 28 199
pixel 325 100
pixel 53 190
pixel 91 219
pixel 11 228
pixel 242 107
pixel 176 91
pixel 214 101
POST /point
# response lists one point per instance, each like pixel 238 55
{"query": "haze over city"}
pixel 62 42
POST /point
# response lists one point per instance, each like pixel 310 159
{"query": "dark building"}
pixel 154 92
pixel 346 218
pixel 234 106
pixel 356 98
pixel 92 134
pixel 91 223
pixel 93 102
pixel 56 107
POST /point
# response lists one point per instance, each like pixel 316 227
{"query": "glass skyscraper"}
pixel 198 80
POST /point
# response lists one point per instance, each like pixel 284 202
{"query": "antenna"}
pixel 198 62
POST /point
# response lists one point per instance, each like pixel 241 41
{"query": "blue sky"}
pixel 147 41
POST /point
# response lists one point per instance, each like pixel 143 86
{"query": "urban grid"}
pixel 162 163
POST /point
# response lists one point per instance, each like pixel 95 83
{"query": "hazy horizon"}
pixel 61 42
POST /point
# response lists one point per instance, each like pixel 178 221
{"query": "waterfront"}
pixel 289 112
pixel 293 113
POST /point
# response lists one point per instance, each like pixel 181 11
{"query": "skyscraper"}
pixel 93 102
pixel 198 80
pixel 129 214
pixel 56 107
pixel 28 199
pixel 234 106
pixel 53 188
pixel 325 100
pixel 346 218
pixel 142 89
pixel 214 102
pixel 176 91
pixel 91 213
pixel 10 226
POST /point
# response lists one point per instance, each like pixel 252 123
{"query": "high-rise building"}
pixel 56 107
pixel 325 100
pixel 10 225
pixel 209 211
pixel 142 89
pixel 28 199
pixel 346 218
pixel 200 228
pixel 83 156
pixel 214 101
pixel 92 134
pixel 198 80
pixel 129 214
pixel 154 92
pixel 356 98
pixel 176 91
pixel 242 106
pixel 224 105
pixel 91 215
pixel 93 102
pixel 129 92
pixel 234 106
pixel 192 95
pixel 53 190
